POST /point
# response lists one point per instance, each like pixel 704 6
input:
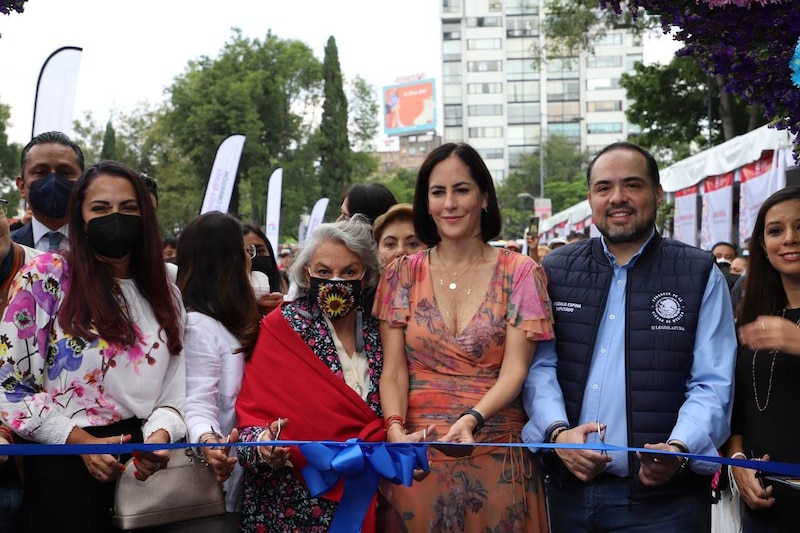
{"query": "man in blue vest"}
pixel 644 358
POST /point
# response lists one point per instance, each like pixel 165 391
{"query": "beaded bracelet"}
pixel 395 419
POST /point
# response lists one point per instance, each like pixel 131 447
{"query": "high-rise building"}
pixel 497 98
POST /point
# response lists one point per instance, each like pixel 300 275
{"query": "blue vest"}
pixel 664 293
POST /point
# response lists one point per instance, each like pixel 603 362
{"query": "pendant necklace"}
pixel 453 285
pixel 774 354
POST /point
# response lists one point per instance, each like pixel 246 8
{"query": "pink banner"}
pixel 717 210
pixel 685 222
pixel 757 184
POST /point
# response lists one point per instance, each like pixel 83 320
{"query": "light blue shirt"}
pixel 704 419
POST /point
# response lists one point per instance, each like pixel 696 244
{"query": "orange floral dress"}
pixel 496 489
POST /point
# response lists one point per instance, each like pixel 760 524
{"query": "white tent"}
pixel 572 215
pixel 723 158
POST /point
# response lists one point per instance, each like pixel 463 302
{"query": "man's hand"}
pixel 584 464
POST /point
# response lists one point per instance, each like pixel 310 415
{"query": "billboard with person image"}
pixel 409 107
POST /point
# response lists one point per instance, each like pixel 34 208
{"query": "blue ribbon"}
pixel 362 465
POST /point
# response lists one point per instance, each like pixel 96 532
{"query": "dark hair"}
pixel 763 291
pixel 424 226
pixel 92 296
pixel 51 137
pixel 152 185
pixel 369 199
pixel 169 241
pixel 723 243
pixel 213 277
pixel 274 274
pixel 652 165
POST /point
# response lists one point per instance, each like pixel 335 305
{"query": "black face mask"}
pixel 335 298
pixel 261 263
pixel 115 235
pixel 50 195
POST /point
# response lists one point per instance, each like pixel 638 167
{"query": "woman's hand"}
pixel 218 457
pixel 276 457
pixel 771 333
pixel 148 463
pixel 754 494
pixel 105 467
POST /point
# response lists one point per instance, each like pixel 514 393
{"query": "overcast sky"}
pixel 132 50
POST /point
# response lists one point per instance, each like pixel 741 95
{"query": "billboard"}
pixel 409 107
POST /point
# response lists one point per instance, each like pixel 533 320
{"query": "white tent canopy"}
pixel 572 215
pixel 723 158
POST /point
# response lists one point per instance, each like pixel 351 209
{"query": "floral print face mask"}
pixel 335 297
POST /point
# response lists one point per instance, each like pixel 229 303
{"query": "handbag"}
pixel 184 490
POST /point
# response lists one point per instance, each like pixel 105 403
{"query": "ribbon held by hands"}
pixel 361 465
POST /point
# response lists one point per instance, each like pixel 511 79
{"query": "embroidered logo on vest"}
pixel 668 310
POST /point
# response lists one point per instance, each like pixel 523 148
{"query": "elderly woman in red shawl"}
pixel 313 375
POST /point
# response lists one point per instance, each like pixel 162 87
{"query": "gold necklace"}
pixel 774 354
pixel 453 285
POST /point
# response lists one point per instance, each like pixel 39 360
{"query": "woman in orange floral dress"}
pixel 459 326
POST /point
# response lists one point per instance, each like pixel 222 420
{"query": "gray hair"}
pixel 355 234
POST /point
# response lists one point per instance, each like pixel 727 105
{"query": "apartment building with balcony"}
pixel 500 99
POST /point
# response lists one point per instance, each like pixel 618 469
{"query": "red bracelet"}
pixel 395 419
pixel 6 434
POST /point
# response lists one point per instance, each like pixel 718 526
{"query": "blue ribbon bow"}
pixel 361 464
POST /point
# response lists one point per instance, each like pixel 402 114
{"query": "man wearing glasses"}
pixel 12 257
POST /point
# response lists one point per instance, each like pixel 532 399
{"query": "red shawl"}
pixel 285 379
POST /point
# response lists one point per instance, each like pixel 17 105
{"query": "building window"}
pixel 491 153
pixel 453 115
pixel 563 111
pixel 522 69
pixel 604 105
pixel 608 39
pixel 454 134
pixel 486 132
pixel 563 68
pixel 569 130
pixel 485 66
pixel 630 62
pixel 522 27
pixel 517 153
pixel 524 113
pixel 484 88
pixel 485 110
pixel 495 5
pixel 498 175
pixel 604 61
pixel 560 90
pixel 522 7
pixel 519 48
pixel 484 44
pixel 451 51
pixel 451 35
pixel 527 134
pixel 451 93
pixel 451 72
pixel 522 91
pixel 451 6
pixel 484 22
pixel 601 84
pixel 604 127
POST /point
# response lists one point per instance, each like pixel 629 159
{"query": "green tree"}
pixel 565 183
pixel 402 185
pixel 9 162
pixel 266 90
pixel 657 91
pixel 109 150
pixel 88 134
pixel 334 147
pixel 363 115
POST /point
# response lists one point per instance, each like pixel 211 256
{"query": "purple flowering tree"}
pixel 7 6
pixel 749 43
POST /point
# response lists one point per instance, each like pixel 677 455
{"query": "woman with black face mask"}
pixel 91 344
pixel 264 262
pixel 313 375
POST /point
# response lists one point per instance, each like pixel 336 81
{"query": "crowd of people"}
pixel 398 323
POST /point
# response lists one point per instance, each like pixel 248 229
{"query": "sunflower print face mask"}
pixel 335 298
